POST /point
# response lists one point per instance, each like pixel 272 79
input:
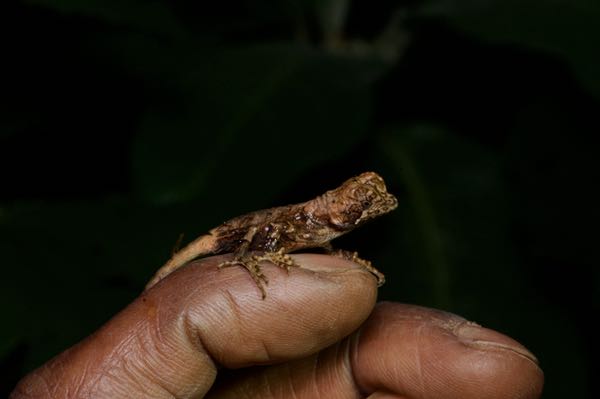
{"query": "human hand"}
pixel 206 333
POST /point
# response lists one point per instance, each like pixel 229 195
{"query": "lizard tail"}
pixel 202 245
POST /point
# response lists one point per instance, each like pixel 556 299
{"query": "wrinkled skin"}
pixel 202 332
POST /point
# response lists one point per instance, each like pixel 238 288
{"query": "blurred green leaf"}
pixel 568 29
pixel 260 113
pixel 401 152
pixel 454 215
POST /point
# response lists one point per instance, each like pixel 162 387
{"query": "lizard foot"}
pixel 252 264
pixel 278 258
pixel 353 256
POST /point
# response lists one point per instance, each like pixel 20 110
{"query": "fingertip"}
pixel 436 354
pixel 317 303
pixel 478 337
pixel 305 310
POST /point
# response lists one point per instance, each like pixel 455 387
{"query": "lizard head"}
pixel 358 200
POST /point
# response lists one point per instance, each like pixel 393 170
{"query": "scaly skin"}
pixel 279 231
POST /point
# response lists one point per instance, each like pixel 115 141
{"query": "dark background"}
pixel 125 123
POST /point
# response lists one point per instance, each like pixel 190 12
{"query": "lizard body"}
pixel 281 230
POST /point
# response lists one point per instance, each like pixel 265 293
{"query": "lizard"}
pixel 276 232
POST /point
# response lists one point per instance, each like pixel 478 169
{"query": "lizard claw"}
pixel 353 256
pixel 252 265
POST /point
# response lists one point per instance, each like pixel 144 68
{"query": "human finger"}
pixel 402 351
pixel 173 339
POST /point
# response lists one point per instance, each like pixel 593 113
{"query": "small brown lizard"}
pixel 277 231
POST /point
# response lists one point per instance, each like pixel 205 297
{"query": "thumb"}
pixel 172 339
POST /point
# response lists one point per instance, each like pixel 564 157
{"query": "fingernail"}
pixel 474 335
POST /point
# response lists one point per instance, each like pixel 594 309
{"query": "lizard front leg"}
pixel 252 262
pixel 353 257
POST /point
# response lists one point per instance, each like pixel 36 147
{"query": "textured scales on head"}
pixel 356 201
pixel 372 194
